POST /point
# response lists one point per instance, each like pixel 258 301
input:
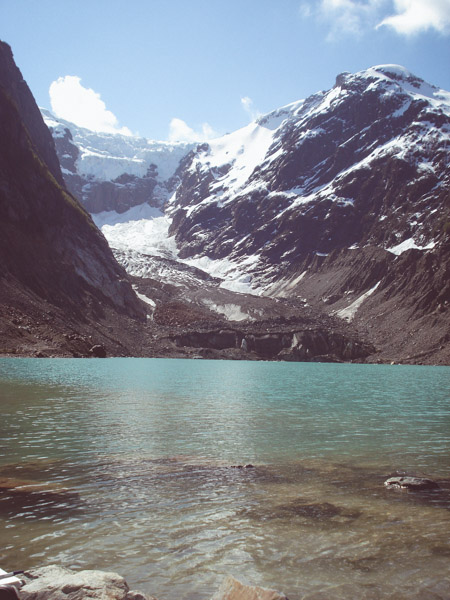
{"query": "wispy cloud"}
pixel 414 16
pixel 346 17
pixel 247 105
pixel 179 131
pixel 354 17
pixel 71 101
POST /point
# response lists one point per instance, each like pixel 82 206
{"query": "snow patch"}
pixel 349 312
pixel 282 288
pixel 407 245
pixel 232 312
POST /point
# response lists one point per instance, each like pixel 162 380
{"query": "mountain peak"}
pixel 395 72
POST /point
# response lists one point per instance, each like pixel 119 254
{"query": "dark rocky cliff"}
pixel 54 261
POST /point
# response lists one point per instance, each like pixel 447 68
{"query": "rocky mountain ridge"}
pixel 364 164
pixel 339 201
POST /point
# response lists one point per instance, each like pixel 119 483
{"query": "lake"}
pixel 131 465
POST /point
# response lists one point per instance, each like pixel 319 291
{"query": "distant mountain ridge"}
pixel 113 172
pixel 341 200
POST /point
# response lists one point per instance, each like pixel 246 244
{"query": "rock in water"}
pixel 58 583
pixel 411 483
pixel 232 589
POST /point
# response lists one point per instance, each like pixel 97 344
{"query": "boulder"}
pixel 411 483
pixel 232 589
pixel 98 351
pixel 58 583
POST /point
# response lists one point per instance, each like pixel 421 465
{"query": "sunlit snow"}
pixel 407 245
pixel 349 312
pixel 106 156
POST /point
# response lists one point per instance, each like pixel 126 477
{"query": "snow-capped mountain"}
pixel 365 163
pixel 341 200
pixel 113 172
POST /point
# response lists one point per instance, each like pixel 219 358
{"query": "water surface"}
pixel 130 465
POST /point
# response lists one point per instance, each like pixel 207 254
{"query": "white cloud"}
pixel 179 131
pixel 413 16
pixel 356 16
pixel 247 105
pixel 84 107
pixel 344 16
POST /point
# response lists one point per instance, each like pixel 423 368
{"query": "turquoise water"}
pixel 127 465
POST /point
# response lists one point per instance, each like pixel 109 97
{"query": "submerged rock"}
pixel 232 589
pixel 411 483
pixel 58 583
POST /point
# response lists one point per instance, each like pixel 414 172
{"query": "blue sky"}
pixel 168 69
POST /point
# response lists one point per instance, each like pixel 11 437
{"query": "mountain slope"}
pixel 340 200
pixel 58 274
pixel 344 202
pixel 359 165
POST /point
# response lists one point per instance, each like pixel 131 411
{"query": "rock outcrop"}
pixel 411 483
pixel 232 589
pixel 58 583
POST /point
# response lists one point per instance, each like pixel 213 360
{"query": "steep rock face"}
pixel 17 90
pixel 49 246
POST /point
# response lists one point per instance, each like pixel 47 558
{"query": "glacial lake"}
pixel 130 465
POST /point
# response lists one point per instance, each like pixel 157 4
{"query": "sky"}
pixel 188 70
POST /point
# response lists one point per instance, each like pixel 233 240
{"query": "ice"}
pixel 146 236
pixel 135 213
pixel 136 236
pixel 234 275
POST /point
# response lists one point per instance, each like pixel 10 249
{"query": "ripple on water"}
pixel 130 469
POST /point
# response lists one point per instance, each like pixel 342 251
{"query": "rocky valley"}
pixel 319 231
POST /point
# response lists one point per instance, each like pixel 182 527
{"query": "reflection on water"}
pixel 126 465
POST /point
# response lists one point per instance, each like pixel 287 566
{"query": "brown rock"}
pixel 58 583
pixel 98 351
pixel 411 483
pixel 232 589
